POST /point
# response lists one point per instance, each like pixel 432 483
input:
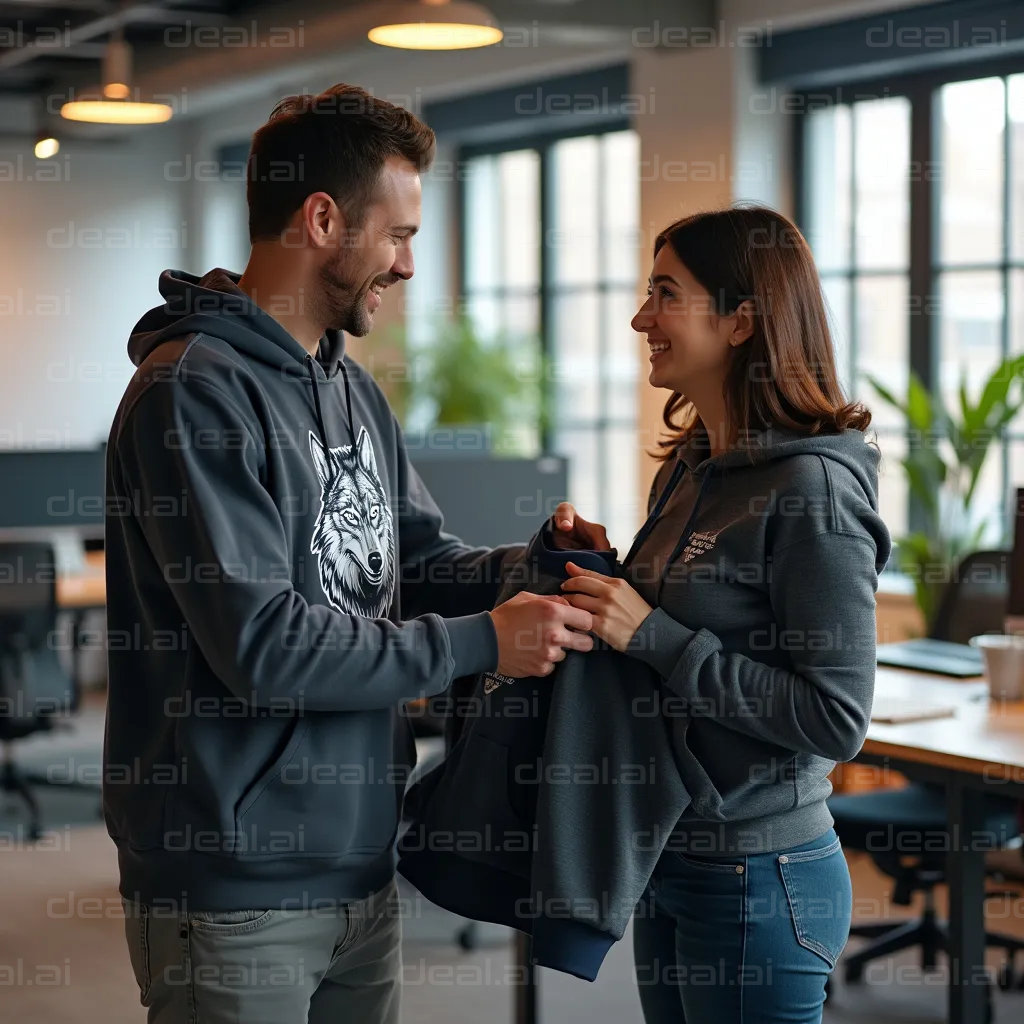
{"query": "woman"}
pixel 751 591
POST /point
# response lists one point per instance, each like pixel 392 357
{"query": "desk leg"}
pixel 966 876
pixel 527 1008
pixel 77 620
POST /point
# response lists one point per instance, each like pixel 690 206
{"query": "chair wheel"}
pixel 466 938
pixel 853 973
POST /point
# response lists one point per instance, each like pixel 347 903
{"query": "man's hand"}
pixel 573 532
pixel 534 632
pixel 618 610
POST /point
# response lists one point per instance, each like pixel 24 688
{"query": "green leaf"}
pixel 920 413
pixel 885 394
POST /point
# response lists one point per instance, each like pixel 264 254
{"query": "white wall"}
pixel 83 238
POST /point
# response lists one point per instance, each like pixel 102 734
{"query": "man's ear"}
pixel 745 321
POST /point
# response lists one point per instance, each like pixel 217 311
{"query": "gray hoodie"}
pixel 764 632
pixel 278 585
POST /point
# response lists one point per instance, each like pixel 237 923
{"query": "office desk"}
pixel 79 593
pixel 86 589
pixel 980 749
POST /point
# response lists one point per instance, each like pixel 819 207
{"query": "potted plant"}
pixel 462 393
pixel 946 455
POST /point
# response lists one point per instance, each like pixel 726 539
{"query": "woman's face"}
pixel 689 343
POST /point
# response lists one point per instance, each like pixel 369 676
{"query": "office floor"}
pixel 62 955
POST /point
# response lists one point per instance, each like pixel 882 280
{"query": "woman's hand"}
pixel 617 609
pixel 573 532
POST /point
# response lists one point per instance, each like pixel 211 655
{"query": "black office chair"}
pixel 885 822
pixel 36 694
pixel 974 601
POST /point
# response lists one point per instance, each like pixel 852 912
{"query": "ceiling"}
pixel 49 49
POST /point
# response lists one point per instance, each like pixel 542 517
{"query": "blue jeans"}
pixel 745 940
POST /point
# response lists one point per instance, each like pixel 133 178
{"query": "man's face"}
pixel 369 259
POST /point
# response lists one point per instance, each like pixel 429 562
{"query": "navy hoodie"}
pixel 278 585
pixel 556 799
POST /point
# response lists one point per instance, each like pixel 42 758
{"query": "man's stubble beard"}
pixel 340 304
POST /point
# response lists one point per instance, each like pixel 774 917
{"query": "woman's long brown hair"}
pixel 784 375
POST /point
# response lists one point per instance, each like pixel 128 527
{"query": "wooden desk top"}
pixel 87 589
pixel 984 738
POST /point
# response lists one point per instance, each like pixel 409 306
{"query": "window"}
pixel 978 263
pixel 550 251
pixel 937 254
pixel 858 207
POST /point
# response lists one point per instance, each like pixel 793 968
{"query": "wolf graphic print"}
pixel 354 538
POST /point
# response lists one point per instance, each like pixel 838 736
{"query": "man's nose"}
pixel 403 266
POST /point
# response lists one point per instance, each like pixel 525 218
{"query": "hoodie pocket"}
pixel 310 803
pixel 480 811
pixel 273 773
pixel 704 797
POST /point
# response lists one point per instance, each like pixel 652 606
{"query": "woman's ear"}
pixel 743 323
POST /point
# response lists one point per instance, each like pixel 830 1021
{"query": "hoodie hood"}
pixel 215 305
pixel 849 449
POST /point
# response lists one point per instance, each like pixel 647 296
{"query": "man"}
pixel 278 589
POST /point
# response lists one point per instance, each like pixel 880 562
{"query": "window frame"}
pixel 924 258
pixel 548 289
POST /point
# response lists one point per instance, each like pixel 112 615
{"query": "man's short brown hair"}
pixel 336 143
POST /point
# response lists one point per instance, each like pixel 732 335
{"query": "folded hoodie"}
pixel 278 584
pixel 557 798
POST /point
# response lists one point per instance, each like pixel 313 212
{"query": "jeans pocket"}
pixel 136 931
pixel 819 897
pixel 229 922
pixel 727 867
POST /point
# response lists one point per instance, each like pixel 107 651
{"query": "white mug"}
pixel 1004 664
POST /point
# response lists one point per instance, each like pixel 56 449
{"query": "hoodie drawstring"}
pixel 677 474
pixel 322 427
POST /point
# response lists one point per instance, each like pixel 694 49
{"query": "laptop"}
pixel 937 656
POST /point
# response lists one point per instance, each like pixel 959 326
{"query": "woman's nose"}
pixel 644 318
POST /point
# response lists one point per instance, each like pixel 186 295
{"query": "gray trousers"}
pixel 270 966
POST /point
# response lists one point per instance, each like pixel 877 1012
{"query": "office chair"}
pixel 885 822
pixel 36 694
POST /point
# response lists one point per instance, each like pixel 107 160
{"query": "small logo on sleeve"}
pixel 492 680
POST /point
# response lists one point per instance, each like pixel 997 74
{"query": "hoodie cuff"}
pixel 474 643
pixel 660 642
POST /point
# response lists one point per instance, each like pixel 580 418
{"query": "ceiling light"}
pixel 117 70
pixel 46 146
pixel 112 105
pixel 437 25
pixel 100 111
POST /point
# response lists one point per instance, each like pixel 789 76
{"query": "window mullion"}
pixel 923 279
pixel 545 310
